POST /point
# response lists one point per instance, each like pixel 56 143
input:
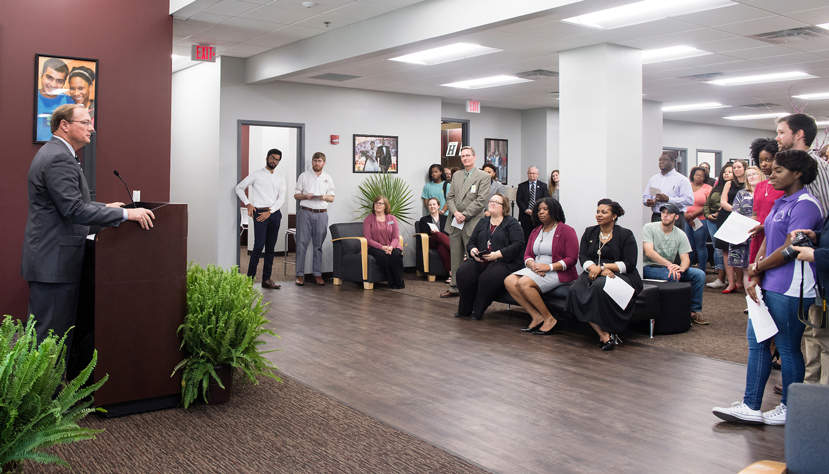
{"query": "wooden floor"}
pixel 513 402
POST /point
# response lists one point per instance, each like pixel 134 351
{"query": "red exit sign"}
pixel 203 52
pixel 473 106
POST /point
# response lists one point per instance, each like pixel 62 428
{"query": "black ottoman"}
pixel 674 307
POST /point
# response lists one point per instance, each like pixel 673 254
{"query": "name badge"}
pixel 473 189
pixel 388 223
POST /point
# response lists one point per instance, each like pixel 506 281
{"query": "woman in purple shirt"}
pixel 783 281
pixel 383 235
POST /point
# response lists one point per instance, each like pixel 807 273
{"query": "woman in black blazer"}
pixel 438 239
pixel 496 248
pixel 607 250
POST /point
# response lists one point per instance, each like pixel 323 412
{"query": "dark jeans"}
pixel 264 236
pixel 479 284
pixel 392 265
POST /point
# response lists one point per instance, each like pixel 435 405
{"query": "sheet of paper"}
pixel 697 223
pixel 761 319
pixel 735 229
pixel 456 224
pixel 618 290
pixel 433 227
pixel 654 191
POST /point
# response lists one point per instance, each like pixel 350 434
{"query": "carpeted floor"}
pixel 270 428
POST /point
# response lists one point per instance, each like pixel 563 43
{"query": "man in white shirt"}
pixel 267 195
pixel 314 189
pixel 673 188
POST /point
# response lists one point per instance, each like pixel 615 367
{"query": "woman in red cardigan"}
pixel 550 260
pixel 383 235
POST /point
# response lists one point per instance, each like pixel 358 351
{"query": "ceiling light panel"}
pixel 763 78
pixel 445 54
pixel 817 96
pixel 757 116
pixel 485 82
pixel 688 107
pixel 672 53
pixel 643 12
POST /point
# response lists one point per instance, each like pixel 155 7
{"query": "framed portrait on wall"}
pixel 375 154
pixel 496 153
pixel 62 80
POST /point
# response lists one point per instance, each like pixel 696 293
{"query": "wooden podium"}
pixel 133 299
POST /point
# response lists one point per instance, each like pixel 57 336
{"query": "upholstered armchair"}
pixel 428 261
pixel 351 259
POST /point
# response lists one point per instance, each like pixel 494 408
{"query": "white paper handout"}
pixel 735 229
pixel 618 290
pixel 654 191
pixel 456 224
pixel 433 227
pixel 696 223
pixel 761 319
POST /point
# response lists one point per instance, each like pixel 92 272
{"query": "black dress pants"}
pixel 479 284
pixel 392 265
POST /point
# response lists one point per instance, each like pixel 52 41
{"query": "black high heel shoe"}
pixel 533 328
pixel 549 332
pixel 611 343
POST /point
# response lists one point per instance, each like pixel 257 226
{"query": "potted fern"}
pixel 221 334
pixel 37 409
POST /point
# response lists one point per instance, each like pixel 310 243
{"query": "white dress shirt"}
pixel 674 185
pixel 309 183
pixel 266 190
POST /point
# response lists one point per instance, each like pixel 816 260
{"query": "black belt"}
pixel 262 209
pixel 315 211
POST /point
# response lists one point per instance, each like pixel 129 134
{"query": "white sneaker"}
pixel 775 416
pixel 739 412
pixel 716 284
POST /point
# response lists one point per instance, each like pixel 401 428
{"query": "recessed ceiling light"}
pixel 701 106
pixel 777 77
pixel 643 12
pixel 817 96
pixel 822 124
pixel 485 82
pixel 757 116
pixel 445 54
pixel 824 25
pixel 670 54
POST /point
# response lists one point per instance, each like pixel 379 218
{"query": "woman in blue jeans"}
pixel 711 210
pixel 782 280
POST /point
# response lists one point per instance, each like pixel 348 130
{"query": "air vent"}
pixel 759 106
pixel 537 74
pixel 334 77
pixel 794 35
pixel 703 77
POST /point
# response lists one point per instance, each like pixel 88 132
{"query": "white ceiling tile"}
pixel 271 40
pixel 657 28
pixel 278 15
pixel 815 46
pixel 731 44
pixel 318 22
pixel 813 17
pixel 788 59
pixel 181 51
pixel 762 25
pixel 294 31
pixel 254 26
pixel 509 41
pixel 188 27
pixel 231 8
pixel 784 7
pixel 361 11
pixel 694 37
pixel 755 53
pixel 321 6
pixel 551 31
pixel 722 16
pixel 392 3
pixel 211 41
pixel 241 50
pixel 526 25
pixel 208 19
pixel 228 33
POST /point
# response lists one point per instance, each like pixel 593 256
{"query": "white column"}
pixel 601 133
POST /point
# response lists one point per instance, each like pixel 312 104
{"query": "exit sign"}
pixel 473 106
pixel 203 52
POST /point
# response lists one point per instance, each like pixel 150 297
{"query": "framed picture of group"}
pixel 62 80
pixel 496 153
pixel 375 154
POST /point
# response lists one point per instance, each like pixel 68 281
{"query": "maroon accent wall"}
pixel 133 43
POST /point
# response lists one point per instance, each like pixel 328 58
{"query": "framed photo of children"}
pixel 62 80
pixel 496 153
pixel 375 154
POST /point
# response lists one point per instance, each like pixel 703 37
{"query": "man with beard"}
pixel 267 195
pixel 314 189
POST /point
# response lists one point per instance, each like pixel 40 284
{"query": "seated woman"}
pixel 383 235
pixel 607 250
pixel 438 239
pixel 496 247
pixel 549 260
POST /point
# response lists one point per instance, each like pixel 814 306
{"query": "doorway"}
pixel 713 158
pixel 454 134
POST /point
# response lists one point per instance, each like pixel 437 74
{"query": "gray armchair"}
pixel 351 259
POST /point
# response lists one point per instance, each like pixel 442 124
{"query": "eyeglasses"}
pixel 493 201
pixel 85 123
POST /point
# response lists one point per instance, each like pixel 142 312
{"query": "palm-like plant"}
pixel 32 417
pixel 394 188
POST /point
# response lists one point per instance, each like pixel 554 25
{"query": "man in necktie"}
pixel 528 193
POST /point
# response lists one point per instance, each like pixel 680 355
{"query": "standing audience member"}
pixel 738 254
pixel 549 261
pixel 711 210
pixel 554 186
pixel 495 248
pixel 673 188
pixel 495 186
pixel 267 195
pixel 710 181
pixel 762 151
pixel 435 187
pixel 382 234
pixel 783 282
pixel 528 193
pixel 607 250
pixel 823 153
pixel 315 190
pixel 738 182
pixel 467 201
pixel 699 237
pixel 438 239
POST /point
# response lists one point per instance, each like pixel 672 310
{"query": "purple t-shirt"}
pixel 798 211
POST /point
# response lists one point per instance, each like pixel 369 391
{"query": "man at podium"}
pixel 60 213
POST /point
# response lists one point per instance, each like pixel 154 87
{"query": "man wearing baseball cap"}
pixel 662 242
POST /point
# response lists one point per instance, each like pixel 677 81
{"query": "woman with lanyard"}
pixel 787 287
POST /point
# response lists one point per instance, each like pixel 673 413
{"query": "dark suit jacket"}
pixel 60 213
pixel 383 156
pixel 427 219
pixel 522 199
pixel 623 243
pixel 508 238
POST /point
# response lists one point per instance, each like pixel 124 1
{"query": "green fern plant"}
pixel 32 417
pixel 223 326
pixel 395 189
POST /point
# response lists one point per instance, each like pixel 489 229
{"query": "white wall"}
pixel 539 142
pixel 733 141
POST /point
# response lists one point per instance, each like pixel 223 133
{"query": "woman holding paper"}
pixel 549 260
pixel 782 280
pixel 698 238
pixel 438 239
pixel 711 211
pixel 744 205
pixel 607 251
pixel 729 192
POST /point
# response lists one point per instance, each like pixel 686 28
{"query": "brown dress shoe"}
pixel 300 281
pixel 319 280
pixel 448 294
pixel 270 285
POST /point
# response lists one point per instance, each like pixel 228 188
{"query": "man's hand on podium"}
pixel 143 216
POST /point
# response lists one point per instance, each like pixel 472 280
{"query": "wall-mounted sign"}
pixel 203 52
pixel 473 106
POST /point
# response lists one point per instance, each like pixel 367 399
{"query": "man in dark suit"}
pixel 60 213
pixel 383 157
pixel 529 192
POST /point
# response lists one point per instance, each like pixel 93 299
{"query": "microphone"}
pixel 129 193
